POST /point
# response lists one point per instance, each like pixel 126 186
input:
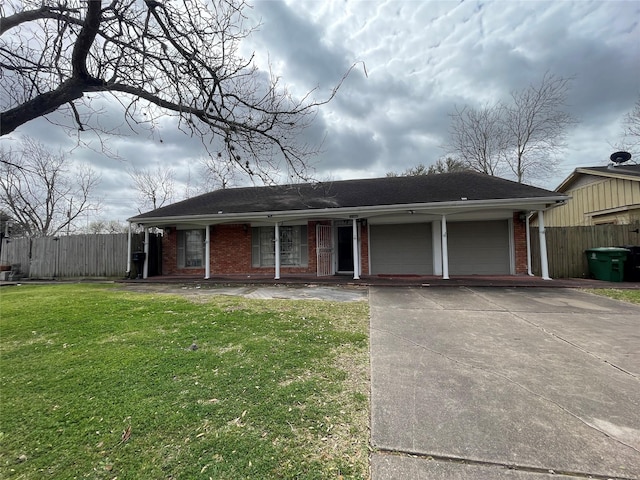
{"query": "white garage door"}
pixel 401 249
pixel 479 248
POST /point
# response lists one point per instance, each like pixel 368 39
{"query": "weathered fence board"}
pixel 74 256
pixel 16 251
pixel 566 246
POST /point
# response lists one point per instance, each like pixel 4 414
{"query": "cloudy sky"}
pixel 422 59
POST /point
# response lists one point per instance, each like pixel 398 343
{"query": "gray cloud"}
pixel 421 60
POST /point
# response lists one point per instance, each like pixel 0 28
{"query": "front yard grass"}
pixel 632 296
pixel 99 383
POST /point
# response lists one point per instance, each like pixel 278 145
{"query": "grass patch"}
pixel 632 296
pixel 100 383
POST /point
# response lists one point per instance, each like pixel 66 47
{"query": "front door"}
pixel 345 249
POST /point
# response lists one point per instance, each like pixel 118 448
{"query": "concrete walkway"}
pixel 503 383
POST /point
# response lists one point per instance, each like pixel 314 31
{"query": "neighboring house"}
pixel 599 195
pixel 447 224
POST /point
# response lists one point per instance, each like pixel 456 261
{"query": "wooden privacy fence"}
pixel 566 246
pixel 103 255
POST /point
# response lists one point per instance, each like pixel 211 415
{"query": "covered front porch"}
pixel 283 246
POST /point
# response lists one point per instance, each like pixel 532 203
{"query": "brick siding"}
pixel 520 243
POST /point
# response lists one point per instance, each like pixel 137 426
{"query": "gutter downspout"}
pixel 544 262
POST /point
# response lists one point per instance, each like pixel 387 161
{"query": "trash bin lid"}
pixel 607 250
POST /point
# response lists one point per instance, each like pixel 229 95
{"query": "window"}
pixel 293 246
pixel 190 248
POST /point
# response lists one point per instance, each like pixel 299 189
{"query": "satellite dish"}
pixel 620 157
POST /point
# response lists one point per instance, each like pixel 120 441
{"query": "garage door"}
pixel 401 249
pixel 479 248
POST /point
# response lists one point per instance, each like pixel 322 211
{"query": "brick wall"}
pixel 520 243
pixel 364 249
pixel 230 249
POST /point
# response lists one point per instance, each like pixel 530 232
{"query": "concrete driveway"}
pixel 503 383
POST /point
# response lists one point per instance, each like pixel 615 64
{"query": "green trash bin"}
pixel 607 263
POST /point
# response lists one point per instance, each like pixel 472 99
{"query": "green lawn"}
pixel 100 383
pixel 632 296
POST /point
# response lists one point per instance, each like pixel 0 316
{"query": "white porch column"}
pixel 145 267
pixel 528 227
pixel 445 250
pixel 277 242
pixel 207 252
pixel 436 246
pixel 544 263
pixel 356 253
pixel 129 252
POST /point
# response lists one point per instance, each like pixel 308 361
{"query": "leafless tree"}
pixel 631 133
pixel 41 191
pixel 156 58
pixel 447 165
pixel 537 125
pixel 106 226
pixel 155 187
pixel 478 138
pixel 443 165
pixel 522 137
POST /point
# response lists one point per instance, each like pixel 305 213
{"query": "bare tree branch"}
pixel 537 126
pixel 39 191
pixel 478 138
pixel 156 58
pixel 155 187
pixel 522 137
pixel 631 130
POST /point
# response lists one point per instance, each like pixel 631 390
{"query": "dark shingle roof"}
pixel 444 187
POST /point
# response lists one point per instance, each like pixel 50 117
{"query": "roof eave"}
pixel 441 208
pixel 596 173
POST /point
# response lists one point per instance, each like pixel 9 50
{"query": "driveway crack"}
pixel 486 463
